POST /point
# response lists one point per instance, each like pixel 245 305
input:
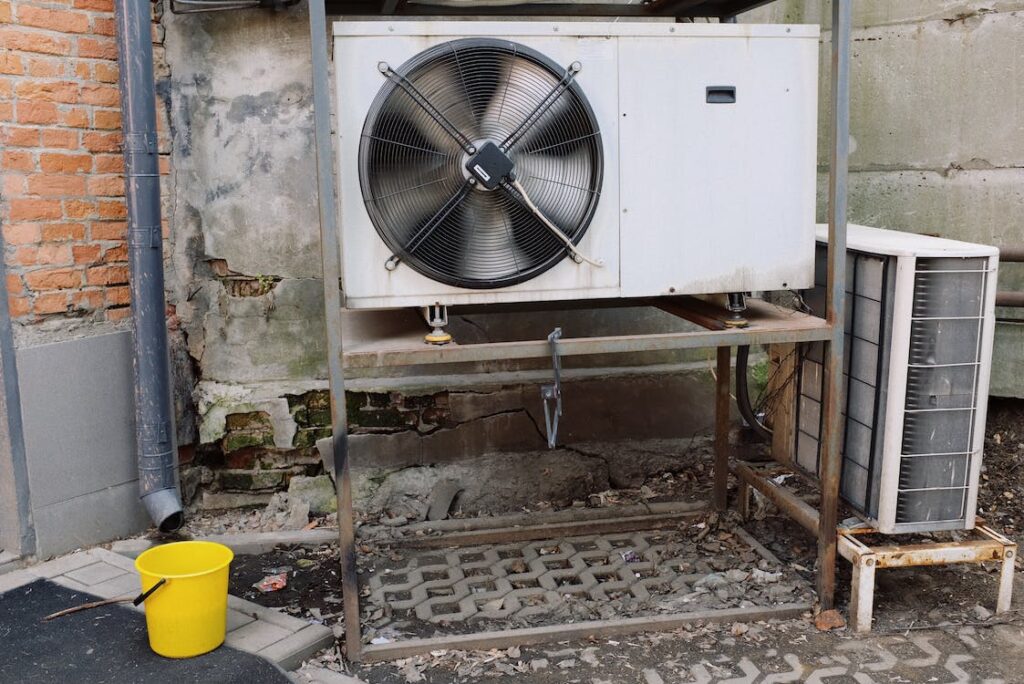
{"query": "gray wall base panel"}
pixel 78 413
pixel 86 520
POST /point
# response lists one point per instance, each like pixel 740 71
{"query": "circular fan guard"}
pixel 438 109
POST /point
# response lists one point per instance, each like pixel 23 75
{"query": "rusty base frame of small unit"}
pixel 984 544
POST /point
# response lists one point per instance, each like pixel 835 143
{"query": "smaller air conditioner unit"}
pixel 920 318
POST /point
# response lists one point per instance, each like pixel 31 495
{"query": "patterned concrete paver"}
pixel 309 674
pixel 789 651
pixel 932 657
pixel 525 579
pixel 279 638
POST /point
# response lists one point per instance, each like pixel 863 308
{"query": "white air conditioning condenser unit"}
pixel 920 320
pixel 490 162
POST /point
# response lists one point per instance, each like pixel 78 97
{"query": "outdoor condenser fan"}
pixel 480 163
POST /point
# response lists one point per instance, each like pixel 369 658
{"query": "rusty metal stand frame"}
pixel 830 331
pixel 987 546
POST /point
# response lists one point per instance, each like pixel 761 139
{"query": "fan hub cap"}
pixel 490 166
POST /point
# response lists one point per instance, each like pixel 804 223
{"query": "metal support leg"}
pixel 862 594
pixel 743 494
pixel 722 406
pixel 833 424
pixel 1006 581
pixel 330 253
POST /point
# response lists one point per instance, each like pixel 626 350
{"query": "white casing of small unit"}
pixel 697 198
pixel 876 292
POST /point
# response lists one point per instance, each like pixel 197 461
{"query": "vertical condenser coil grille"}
pixel 869 297
pixel 942 399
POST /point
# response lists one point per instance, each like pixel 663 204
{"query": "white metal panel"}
pixel 902 243
pixel 717 197
pixel 896 397
pixel 367 283
pixel 981 393
pixel 433 28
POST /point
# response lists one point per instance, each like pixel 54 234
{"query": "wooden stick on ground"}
pixel 87 606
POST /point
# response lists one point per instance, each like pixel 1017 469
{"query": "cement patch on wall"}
pixel 78 414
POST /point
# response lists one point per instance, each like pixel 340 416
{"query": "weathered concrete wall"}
pixel 937 128
pixel 245 284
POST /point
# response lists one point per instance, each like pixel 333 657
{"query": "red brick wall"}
pixel 62 206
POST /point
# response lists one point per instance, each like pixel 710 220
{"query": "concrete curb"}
pixel 321 675
pixel 9 563
pixel 242 542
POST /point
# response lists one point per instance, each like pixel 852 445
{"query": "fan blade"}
pixel 498 115
pixel 559 122
pixel 481 238
pixel 559 186
pixel 409 197
pixel 407 123
pixel 519 258
pixel 534 239
pixel 439 217
pixel 394 178
pixel 445 88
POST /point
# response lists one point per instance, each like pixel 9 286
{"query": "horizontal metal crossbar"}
pixel 768 325
pixel 991 547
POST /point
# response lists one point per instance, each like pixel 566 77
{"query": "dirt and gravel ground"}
pixel 932 624
pixel 1001 495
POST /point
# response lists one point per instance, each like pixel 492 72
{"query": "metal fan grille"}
pixel 422 128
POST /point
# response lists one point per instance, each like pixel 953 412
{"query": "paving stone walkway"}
pixel 280 638
pixel 791 651
pixel 923 658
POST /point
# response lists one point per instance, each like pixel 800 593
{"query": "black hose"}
pixel 743 396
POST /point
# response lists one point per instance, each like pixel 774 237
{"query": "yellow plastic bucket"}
pixel 187 604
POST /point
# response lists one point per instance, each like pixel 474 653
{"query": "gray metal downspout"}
pixel 154 420
pixel 26 542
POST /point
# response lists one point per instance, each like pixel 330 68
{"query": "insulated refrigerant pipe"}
pixel 154 421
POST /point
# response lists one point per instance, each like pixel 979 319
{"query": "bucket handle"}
pixel 149 592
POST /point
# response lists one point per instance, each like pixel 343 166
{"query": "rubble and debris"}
pixel 275 582
pixel 439 503
pixel 829 620
pixel 318 492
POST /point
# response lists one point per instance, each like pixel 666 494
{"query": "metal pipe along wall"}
pixel 154 420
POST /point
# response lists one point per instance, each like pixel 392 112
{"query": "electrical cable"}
pixel 577 255
pixel 743 396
